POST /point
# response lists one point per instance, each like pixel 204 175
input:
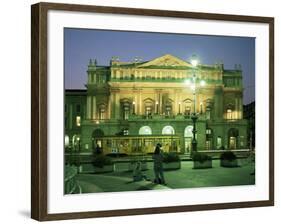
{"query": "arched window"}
pixel 148 107
pixel 188 138
pixel 145 130
pixel 188 131
pixel 229 114
pixel 76 140
pixel 169 107
pixel 66 141
pixel 187 103
pixel 168 130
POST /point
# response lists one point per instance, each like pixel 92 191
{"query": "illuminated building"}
pixel 130 106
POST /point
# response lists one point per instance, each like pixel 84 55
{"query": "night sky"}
pixel 83 44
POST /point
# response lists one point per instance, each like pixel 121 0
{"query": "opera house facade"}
pixel 129 107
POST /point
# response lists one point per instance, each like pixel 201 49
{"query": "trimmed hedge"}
pixel 169 157
pixel 101 160
pixel 201 157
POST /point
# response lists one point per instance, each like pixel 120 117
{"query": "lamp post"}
pixel 134 109
pixel 193 86
pixel 157 110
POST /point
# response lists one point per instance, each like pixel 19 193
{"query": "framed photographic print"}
pixel 140 111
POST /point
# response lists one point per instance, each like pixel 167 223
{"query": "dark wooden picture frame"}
pixel 39 106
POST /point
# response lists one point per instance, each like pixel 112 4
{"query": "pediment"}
pixel 166 61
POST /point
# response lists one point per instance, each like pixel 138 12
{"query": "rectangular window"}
pixel 242 141
pixel 229 114
pixel 101 114
pixel 208 131
pixel 78 108
pixel 219 144
pixel 78 121
pixel 126 113
pixel 208 145
pixel 65 122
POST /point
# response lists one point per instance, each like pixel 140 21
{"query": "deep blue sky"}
pixel 83 44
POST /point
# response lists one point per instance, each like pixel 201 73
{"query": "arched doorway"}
pixel 168 130
pixel 146 143
pixel 188 138
pixel 233 134
pixel 169 144
pixel 76 143
pixel 96 138
pixel 145 130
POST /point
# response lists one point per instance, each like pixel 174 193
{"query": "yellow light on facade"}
pixel 156 102
pixel 194 60
pixel 134 102
pixel 202 83
pixel 187 82
pixel 193 87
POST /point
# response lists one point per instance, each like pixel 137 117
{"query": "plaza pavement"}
pixel 186 177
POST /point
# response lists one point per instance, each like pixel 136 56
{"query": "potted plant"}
pixel 201 160
pixel 100 164
pixel 171 161
pixel 228 159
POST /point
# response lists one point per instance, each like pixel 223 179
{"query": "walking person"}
pixel 158 165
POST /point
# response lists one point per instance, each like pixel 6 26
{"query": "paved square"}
pixel 186 177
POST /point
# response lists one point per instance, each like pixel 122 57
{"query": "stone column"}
pixel 176 105
pixel 88 107
pixel 112 103
pixel 94 107
pixel 117 105
pixel 94 77
pixel 218 104
pixel 236 108
pixel 240 108
pixel 140 103
pixel 109 107
pixel 160 102
pixel 89 77
pixel 155 100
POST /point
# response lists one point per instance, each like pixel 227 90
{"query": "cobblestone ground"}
pixel 186 177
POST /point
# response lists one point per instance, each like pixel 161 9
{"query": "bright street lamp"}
pixel 193 86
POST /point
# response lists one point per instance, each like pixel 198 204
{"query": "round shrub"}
pixel 201 157
pixel 228 155
pixel 169 157
pixel 101 160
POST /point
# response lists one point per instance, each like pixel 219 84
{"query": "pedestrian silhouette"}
pixel 158 165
